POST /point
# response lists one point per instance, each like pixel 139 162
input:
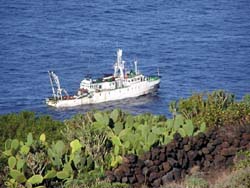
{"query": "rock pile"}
pixel 214 149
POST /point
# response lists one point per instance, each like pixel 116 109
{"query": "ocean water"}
pixel 197 45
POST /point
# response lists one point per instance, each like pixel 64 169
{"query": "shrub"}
pixel 218 108
pixel 19 125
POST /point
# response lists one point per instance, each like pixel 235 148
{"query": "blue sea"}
pixel 197 46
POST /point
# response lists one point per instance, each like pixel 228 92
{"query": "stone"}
pixel 246 136
pixel 172 162
pixel 157 162
pixel 132 179
pixel 162 157
pixel 149 163
pixel 176 173
pixel 140 163
pixel 153 169
pixel 205 151
pixel 209 158
pixel 140 178
pixel 169 177
pixel 156 183
pixel 229 151
pixel 166 166
pixel 216 142
pixel 187 147
pixel 125 180
pixel 218 160
pixel 153 176
pixel 243 143
pixel 192 155
pixel 236 143
pixel 225 145
pixel 155 153
pixel 110 176
pixel 131 158
pixel 185 140
pixel 137 171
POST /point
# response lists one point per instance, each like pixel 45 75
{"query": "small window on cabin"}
pixel 100 87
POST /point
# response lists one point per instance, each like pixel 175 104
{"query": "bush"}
pixel 218 108
pixel 19 125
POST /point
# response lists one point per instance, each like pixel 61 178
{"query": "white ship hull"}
pixel 135 90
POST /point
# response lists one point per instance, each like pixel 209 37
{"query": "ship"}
pixel 120 85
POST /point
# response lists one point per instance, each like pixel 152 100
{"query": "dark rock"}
pixel 246 136
pixel 218 160
pixel 180 155
pixel 137 171
pixel 243 143
pixel 153 176
pixel 119 173
pixel 155 153
pixel 187 147
pixel 166 166
pixel 157 162
pixel 177 137
pixel 228 151
pixel 140 163
pixel 146 156
pixel 140 178
pixel 230 161
pixel 153 169
pixel 185 161
pixel 163 150
pixel 236 143
pixel 210 147
pixel 192 155
pixel 125 180
pixel 110 176
pixel 132 179
pixel 185 140
pixel 162 157
pixel 170 147
pixel 172 162
pixel 225 145
pixel 216 142
pixel 149 163
pixel 169 177
pixel 205 151
pixel 201 136
pixel 209 157
pixel 157 183
pixel 132 158
pixel 176 173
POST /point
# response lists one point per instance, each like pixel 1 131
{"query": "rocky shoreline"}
pixel 215 149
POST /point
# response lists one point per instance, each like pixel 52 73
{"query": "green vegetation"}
pixel 218 108
pixel 40 152
pixel 19 125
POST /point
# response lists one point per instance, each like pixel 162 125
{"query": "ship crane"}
pixel 57 94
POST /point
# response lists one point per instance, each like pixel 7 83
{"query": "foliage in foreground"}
pixel 108 136
pixel 92 143
pixel 218 108
pixel 19 125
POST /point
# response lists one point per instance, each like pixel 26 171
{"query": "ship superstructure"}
pixel 121 84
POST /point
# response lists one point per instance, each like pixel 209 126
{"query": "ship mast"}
pixel 119 65
pixel 54 79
